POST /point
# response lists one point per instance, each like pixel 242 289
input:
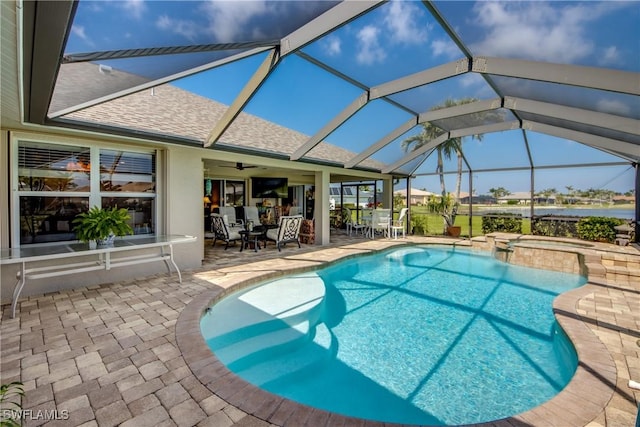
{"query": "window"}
pixel 55 182
pixel 128 180
pixel 234 193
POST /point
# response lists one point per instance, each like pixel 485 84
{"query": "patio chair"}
pixel 288 231
pixel 230 213
pixel 251 214
pixel 398 224
pixel 352 224
pixel 380 221
pixel 222 232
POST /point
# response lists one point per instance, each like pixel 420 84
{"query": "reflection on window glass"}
pixel 127 172
pixel 49 219
pixel 65 169
pixel 50 167
pixel 234 193
pixel 141 212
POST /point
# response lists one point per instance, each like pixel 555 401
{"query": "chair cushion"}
pixel 234 234
pixel 272 234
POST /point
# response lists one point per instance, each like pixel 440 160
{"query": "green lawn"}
pixel 435 223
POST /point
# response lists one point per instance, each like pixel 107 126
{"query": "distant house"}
pixel 418 197
pixel 524 198
pixel 623 200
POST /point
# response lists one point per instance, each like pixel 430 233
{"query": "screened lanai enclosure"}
pixel 506 98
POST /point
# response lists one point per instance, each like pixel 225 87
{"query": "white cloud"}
pixel 613 107
pixel 228 19
pixel 535 30
pixel 445 48
pixel 135 8
pixel 610 56
pixel 332 45
pixel 79 31
pixel 370 50
pixel 471 79
pixel 187 29
pixel 401 23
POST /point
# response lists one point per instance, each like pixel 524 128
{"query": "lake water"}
pixel 526 211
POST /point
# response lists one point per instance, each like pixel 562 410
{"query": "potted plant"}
pixel 102 225
pixel 447 207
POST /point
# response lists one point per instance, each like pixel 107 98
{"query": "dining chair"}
pixel 353 224
pixel 380 221
pixel 398 224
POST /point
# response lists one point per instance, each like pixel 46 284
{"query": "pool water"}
pixel 418 335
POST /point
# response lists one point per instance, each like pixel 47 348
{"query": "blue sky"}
pixel 395 40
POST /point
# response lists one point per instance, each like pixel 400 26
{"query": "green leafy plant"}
pixel 446 206
pixel 598 228
pixel 501 222
pixel 555 226
pixel 419 224
pixel 11 403
pixel 99 224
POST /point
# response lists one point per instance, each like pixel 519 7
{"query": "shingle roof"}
pixel 169 110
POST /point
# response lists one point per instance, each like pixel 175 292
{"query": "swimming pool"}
pixel 420 335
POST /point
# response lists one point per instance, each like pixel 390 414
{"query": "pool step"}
pixel 274 317
pixel 277 337
pixel 307 357
pixel 287 304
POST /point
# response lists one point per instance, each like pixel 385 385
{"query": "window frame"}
pixel 94 195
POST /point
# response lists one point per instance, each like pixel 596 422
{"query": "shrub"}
pixel 419 224
pixel 501 222
pixel 598 228
pixel 554 226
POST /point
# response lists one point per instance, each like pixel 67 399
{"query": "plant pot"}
pixel 93 244
pixel 107 242
pixel 454 231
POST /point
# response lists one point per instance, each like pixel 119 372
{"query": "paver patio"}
pixel 109 354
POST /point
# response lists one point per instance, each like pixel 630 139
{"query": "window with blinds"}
pixel 55 185
pixel 127 172
pixel 49 167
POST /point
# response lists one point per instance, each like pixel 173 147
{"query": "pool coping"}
pixel 581 401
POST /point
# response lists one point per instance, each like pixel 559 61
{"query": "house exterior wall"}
pixel 4 189
pixel 179 182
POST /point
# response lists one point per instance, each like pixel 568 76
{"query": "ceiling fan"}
pixel 240 166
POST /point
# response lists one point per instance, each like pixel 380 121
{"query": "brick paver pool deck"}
pixel 130 353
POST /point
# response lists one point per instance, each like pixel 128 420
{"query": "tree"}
pixel 445 150
pixel 546 193
pixel 499 192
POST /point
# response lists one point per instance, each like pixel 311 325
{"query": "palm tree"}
pixel 445 150
pixel 499 192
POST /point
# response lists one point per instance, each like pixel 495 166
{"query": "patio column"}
pixel 321 214
pixel 5 178
pixel 387 193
